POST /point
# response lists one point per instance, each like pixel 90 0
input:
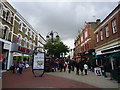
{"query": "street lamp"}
pixel 52 35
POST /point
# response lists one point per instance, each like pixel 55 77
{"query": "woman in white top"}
pixel 85 68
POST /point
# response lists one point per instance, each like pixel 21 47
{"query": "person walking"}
pixel 21 67
pixel 77 67
pixel 81 67
pixel 85 68
pixel 65 65
pixel 69 67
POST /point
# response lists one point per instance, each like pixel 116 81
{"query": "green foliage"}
pixel 56 47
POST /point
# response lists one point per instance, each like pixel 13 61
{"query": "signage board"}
pixel 6 46
pixel 38 62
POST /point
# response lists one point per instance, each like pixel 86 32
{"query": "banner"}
pixel 38 62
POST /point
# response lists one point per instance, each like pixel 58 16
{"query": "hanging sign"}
pixel 38 62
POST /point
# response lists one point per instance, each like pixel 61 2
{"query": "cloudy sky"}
pixel 65 17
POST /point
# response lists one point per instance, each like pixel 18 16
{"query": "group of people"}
pixel 62 65
pixel 18 67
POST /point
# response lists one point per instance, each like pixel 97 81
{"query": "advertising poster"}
pixel 38 62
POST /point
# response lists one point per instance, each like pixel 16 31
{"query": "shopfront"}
pixel 111 56
pixel 5 53
pixel 21 53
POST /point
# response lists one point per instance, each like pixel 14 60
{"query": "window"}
pixel 1 9
pixel 81 38
pixel 34 36
pixel 114 27
pixel 101 34
pixel 31 34
pixel 30 44
pixel 19 39
pixel 5 32
pixel 26 31
pixel 86 34
pixel 97 37
pixel 25 42
pixel 20 26
pixel 107 31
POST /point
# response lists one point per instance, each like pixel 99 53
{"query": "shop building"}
pixel 107 42
pixel 17 36
pixel 84 43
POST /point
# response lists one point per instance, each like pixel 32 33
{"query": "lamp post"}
pixel 51 35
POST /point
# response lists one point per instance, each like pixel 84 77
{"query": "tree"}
pixel 55 47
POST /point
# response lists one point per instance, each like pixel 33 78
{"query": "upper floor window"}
pixel 1 9
pixel 107 31
pixel 25 42
pixel 81 38
pixel 30 44
pixel 5 32
pixel 101 34
pixel 31 34
pixel 20 26
pixel 114 26
pixel 26 31
pixel 97 39
pixel 19 39
pixel 86 34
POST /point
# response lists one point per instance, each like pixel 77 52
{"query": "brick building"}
pixel 84 42
pixel 107 42
pixel 17 36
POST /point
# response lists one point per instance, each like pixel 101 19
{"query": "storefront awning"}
pixel 76 56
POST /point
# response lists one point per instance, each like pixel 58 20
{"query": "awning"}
pixel 76 56
pixel 116 55
pixel 97 57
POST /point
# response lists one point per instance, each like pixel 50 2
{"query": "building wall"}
pixel 11 18
pixel 108 21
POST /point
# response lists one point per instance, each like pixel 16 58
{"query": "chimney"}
pixel 98 21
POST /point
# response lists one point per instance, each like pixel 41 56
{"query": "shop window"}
pixel 107 31
pixel 101 34
pixel 114 26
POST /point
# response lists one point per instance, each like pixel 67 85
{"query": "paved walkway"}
pixel 27 80
pixel 91 79
pixel 56 80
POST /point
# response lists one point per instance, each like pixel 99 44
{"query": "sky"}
pixel 66 17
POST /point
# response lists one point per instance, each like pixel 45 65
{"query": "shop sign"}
pixel 38 62
pixel 23 49
pixel 6 46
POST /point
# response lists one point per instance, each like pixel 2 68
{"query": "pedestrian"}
pixel 65 65
pixel 13 68
pixel 81 65
pixel 69 67
pixel 21 67
pixel 77 67
pixel 85 68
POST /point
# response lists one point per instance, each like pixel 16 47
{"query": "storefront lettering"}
pixel 23 49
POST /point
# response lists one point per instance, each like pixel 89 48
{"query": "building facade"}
pixel 108 33
pixel 107 43
pixel 84 42
pixel 17 36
